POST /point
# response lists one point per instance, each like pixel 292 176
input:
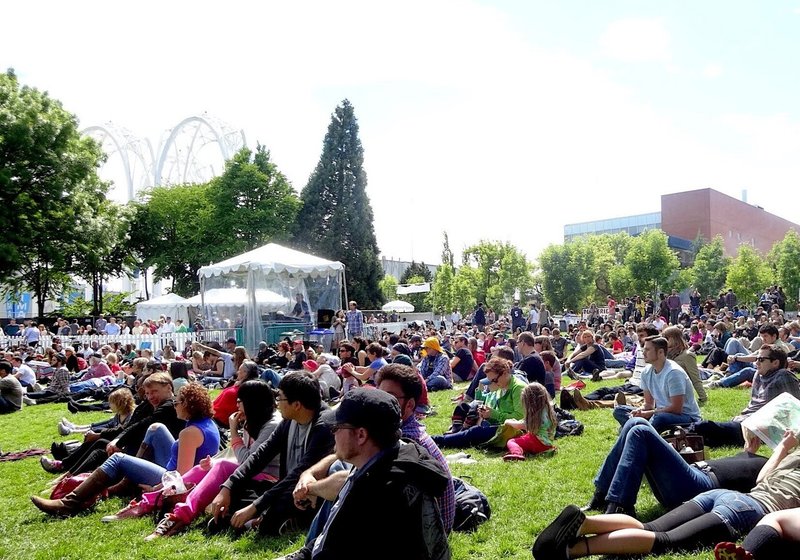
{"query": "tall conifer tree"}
pixel 336 219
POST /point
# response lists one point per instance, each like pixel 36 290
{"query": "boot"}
pixel 77 500
pixel 581 402
pixel 597 503
pixel 567 402
pixel 123 488
pixel 614 507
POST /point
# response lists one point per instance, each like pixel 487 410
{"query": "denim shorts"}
pixel 738 511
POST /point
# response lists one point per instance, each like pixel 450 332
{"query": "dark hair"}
pixel 526 337
pixel 769 329
pixel 258 401
pixel 659 342
pixel 549 356
pixel 303 388
pixel 375 349
pixel 361 341
pixel 179 370
pixel 7 367
pixel 251 368
pixel 506 353
pixel 196 401
pixel 406 376
pixel 648 329
pixel 776 353
pixel 347 346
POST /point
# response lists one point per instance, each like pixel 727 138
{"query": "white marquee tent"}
pixel 171 305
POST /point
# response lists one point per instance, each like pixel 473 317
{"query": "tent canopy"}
pixel 274 258
pixel 399 306
pixel 232 297
pixel 171 305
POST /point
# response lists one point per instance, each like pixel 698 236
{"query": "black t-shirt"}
pixel 597 357
pixel 559 345
pixel 464 366
pixel 516 315
pixel 738 472
pixel 533 367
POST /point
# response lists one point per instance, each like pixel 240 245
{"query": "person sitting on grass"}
pixel 540 422
pixel 678 352
pixel 588 358
pixel 500 401
pixel 641 451
pixel 121 403
pixel 10 390
pixel 713 516
pixel 198 439
pixel 668 393
pixel 435 366
pixel 376 362
pixel 777 535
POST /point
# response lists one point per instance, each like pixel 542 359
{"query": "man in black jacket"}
pixel 301 439
pixel 393 482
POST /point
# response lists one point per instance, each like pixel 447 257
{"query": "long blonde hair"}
pixel 535 400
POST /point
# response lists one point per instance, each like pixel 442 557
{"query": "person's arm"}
pixel 578 355
pixel 648 408
pixel 517 424
pixel 189 440
pixel 750 358
pixel 786 445
pixel 203 348
pixel 454 362
pixel 363 373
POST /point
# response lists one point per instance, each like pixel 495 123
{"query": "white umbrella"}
pixel 398 305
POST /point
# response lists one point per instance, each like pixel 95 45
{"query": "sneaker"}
pixel 66 422
pixel 289 526
pixel 713 385
pixel 596 375
pixel 302 554
pixel 513 457
pixel 64 430
pixel 597 503
pixel 50 465
pixel 167 527
pixel 132 510
pixel 730 551
pixel 28 401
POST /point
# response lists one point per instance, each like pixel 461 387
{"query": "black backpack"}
pixel 472 506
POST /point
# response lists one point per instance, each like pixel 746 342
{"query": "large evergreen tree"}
pixel 336 219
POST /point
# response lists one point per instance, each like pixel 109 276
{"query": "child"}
pixel 540 423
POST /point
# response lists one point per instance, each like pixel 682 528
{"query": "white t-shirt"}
pixel 26 375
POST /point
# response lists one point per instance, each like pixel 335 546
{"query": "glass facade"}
pixel 634 225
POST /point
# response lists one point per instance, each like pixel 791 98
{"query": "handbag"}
pixel 689 446
pixel 70 483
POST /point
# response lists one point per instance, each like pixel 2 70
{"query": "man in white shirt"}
pixel 112 328
pixel 168 327
pixel 24 373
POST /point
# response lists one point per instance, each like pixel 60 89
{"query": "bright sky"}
pixel 491 120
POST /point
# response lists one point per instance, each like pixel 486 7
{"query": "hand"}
pixel 205 463
pixel 146 488
pixel 636 412
pixel 233 422
pixel 731 359
pixel 303 486
pixel 348 367
pixel 789 440
pixel 91 436
pixel 243 516
pixel 112 448
pixel 484 412
pixel 221 504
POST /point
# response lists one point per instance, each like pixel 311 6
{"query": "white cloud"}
pixel 636 40
pixel 713 70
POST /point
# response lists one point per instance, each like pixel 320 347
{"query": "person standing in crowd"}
pixel 355 321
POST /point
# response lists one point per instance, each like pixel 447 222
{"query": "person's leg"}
pixel 81 453
pixel 206 488
pixel 271 377
pixel 720 434
pixel 467 438
pixel 622 414
pixel 608 469
pixel 738 378
pixel 438 383
pixel 734 347
pixel 159 441
pixel 777 535
pixel 514 447
pixel 473 385
pixel 137 470
pixel 664 420
pixel 6 407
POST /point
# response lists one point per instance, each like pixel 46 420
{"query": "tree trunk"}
pixel 100 293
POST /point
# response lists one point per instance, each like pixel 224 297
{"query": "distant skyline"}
pixel 497 120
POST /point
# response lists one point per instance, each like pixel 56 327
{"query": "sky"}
pixel 499 121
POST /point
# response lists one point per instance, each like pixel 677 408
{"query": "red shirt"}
pixel 225 404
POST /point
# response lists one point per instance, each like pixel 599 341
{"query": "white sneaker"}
pixel 64 430
pixel 28 401
pixel 67 423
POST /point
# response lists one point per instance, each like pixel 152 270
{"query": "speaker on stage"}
pixel 324 318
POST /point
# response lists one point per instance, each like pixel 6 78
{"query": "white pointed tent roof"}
pixel 171 305
pixel 274 258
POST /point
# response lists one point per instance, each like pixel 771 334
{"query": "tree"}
pixel 650 261
pixel 784 257
pixel 170 232
pixel 748 275
pixel 48 189
pixel 566 272
pixel 609 251
pixel 336 219
pixel 502 272
pixel 419 301
pixel 388 287
pixel 414 270
pixel 253 204
pixel 442 294
pixel 710 267
pixel 447 254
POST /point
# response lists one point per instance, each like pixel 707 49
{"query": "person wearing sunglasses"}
pixel 771 379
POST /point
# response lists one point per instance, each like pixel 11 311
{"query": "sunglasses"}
pixel 764 359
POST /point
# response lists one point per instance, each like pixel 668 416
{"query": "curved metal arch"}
pixel 125 143
pixel 221 132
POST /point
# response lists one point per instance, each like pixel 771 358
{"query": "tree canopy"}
pixel 748 275
pixel 336 220
pixel 710 269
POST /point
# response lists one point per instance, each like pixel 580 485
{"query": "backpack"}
pixel 472 506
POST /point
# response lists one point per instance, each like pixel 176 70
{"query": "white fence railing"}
pixel 154 342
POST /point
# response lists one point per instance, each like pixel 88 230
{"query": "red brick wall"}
pixel 711 213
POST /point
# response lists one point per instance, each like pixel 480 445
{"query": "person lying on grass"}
pixel 198 439
pixel 713 516
pixel 777 535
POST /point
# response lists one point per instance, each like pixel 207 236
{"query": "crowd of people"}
pixel 306 437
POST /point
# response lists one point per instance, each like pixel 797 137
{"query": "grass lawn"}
pixel 525 496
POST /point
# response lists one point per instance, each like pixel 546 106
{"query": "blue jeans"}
pixel 79 386
pixel 271 377
pixel 438 383
pixel 738 511
pixel 583 365
pixel 734 347
pixel 660 421
pixel 738 378
pixel 640 451
pixel 468 437
pixel 324 510
pixel 160 441
pixel 615 363
pixel 138 471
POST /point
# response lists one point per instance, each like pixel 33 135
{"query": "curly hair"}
pixel 122 400
pixel 196 401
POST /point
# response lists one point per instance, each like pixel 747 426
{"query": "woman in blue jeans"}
pixel 640 451
pixel 713 516
pixel 198 439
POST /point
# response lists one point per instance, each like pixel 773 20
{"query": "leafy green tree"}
pixel 566 272
pixel 650 261
pixel 710 268
pixel 748 275
pixel 414 270
pixel 784 257
pixel 336 220
pixel 465 288
pixel 502 271
pixel 48 189
pixel 388 287
pixel 420 300
pixel 609 252
pixel 170 232
pixel 442 294
pixel 253 204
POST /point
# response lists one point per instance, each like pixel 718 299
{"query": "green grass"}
pixel 525 496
